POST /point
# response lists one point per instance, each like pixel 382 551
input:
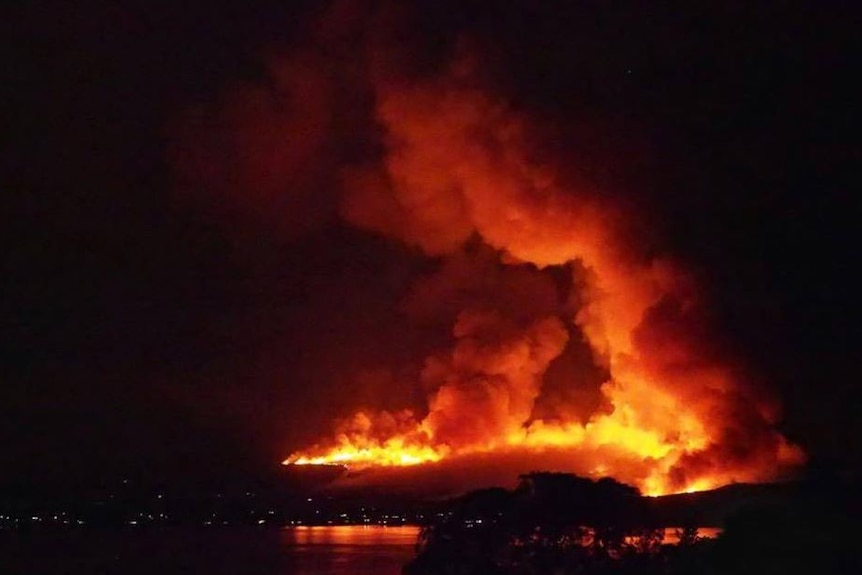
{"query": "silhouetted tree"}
pixel 687 535
pixel 551 523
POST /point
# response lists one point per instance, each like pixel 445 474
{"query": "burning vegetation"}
pixel 542 276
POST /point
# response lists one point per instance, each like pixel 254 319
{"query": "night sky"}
pixel 154 326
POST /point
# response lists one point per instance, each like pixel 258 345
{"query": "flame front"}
pixel 360 452
pixel 619 445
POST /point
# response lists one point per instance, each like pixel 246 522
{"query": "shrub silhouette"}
pixel 551 522
pixel 561 524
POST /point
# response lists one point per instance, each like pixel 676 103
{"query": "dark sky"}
pixel 144 331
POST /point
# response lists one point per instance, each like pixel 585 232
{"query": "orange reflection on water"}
pixel 406 535
pixel 671 534
pixel 351 535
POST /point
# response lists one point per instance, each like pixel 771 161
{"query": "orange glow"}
pixel 391 453
pixel 618 444
pixel 459 164
pixel 574 343
pixel 647 438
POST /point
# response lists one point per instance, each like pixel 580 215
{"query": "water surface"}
pixel 331 550
pixel 335 550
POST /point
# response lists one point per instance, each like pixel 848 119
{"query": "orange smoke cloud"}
pixel 458 165
pixel 488 386
pixel 533 270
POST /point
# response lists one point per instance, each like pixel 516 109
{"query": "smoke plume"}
pixel 568 338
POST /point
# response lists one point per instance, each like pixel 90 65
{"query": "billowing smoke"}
pixel 567 337
pixel 487 388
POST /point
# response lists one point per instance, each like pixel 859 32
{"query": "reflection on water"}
pixel 335 550
pixel 671 534
pixel 349 549
pixel 331 550
pixel 351 535
pixel 376 535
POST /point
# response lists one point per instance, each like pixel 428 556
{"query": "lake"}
pixel 335 550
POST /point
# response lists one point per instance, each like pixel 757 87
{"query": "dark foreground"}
pixel 565 525
pixel 551 523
